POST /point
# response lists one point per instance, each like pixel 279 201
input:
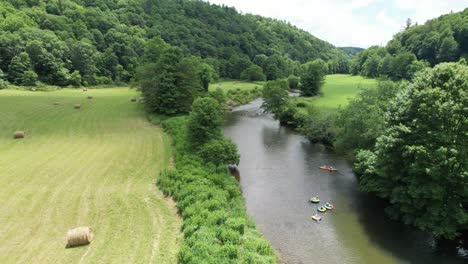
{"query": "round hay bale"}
pixel 133 100
pixel 77 106
pixel 19 134
pixel 85 90
pixel 79 236
pixel 90 97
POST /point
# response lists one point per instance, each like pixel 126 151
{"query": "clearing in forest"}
pixel 338 89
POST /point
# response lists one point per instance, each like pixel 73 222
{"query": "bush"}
pixel 220 152
pixel 205 121
pixel 75 79
pixel 29 78
pixel 301 104
pixel 294 82
pixel 218 95
pixel 253 73
pixel 319 126
pixel 3 84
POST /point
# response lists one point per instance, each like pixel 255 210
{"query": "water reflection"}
pixel 280 173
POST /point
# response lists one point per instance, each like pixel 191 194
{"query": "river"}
pixel 279 174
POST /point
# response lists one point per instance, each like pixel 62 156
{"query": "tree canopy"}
pixel 419 163
pixel 71 42
pixel 444 39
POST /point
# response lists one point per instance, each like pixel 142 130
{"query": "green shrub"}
pixel 220 152
pixel 216 227
pixel 3 84
pixel 205 121
pixel 301 104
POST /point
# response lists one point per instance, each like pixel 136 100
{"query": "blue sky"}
pixel 359 23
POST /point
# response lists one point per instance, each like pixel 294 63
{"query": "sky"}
pixel 357 23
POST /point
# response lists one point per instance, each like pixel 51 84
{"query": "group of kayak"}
pixel 327 206
pixel 322 209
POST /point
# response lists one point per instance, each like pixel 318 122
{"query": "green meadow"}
pixel 338 89
pixel 96 166
pixel 228 85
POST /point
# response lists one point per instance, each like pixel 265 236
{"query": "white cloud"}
pixel 423 10
pixel 348 23
pixel 361 3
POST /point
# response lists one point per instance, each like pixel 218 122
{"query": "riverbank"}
pixel 216 227
pixel 232 93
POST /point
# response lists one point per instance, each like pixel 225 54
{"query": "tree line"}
pixel 82 42
pixel 444 39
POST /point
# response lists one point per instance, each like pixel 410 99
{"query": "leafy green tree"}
pixel 385 66
pixel 75 78
pixel 400 65
pixel 371 66
pixel 312 78
pixel 362 121
pixel 3 83
pixel 219 95
pixel 319 126
pixel 207 75
pixel 253 73
pixel 294 82
pixel 275 97
pixel 220 152
pixel 419 163
pixel 29 78
pixel 18 66
pixel 448 50
pixel 170 85
pixel 205 121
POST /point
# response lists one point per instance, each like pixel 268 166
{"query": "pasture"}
pixel 94 166
pixel 338 89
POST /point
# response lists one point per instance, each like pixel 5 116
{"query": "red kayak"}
pixel 328 168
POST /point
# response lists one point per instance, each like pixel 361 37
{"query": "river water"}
pixel 280 172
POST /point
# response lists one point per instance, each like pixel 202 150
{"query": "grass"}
pixel 228 85
pixel 91 167
pixel 338 89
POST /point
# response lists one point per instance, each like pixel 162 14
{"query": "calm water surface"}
pixel 279 173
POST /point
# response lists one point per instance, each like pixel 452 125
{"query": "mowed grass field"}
pixel 338 89
pixel 90 167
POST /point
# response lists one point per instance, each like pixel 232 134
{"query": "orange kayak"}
pixel 328 168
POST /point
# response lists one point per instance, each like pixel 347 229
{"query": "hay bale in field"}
pixel 77 106
pixel 90 97
pixel 19 134
pixel 79 236
pixel 133 100
pixel 85 90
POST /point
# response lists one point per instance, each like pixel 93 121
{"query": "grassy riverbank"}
pixel 94 167
pixel 237 92
pixel 216 226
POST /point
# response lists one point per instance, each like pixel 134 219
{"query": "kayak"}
pixel 328 168
pixel 315 199
pixel 316 217
pixel 329 206
pixel 322 209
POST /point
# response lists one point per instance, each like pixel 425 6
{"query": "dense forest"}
pixel 82 42
pixel 444 39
